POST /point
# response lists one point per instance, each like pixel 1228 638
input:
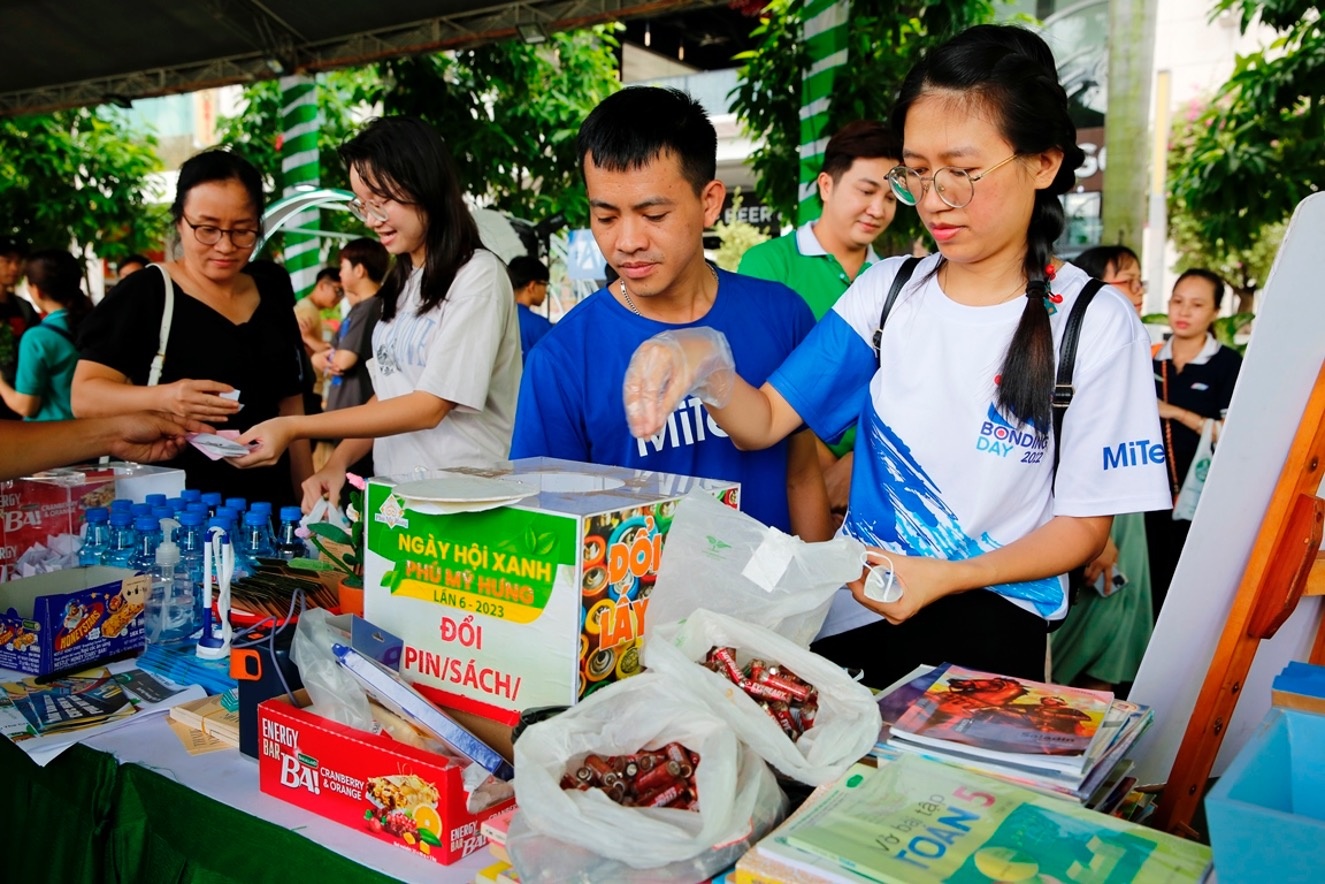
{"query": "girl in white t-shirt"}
pixel 446 352
pixel 954 479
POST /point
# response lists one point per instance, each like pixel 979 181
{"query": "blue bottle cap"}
pixel 191 519
pixel 141 509
pixel 121 503
pixel 255 519
pixel 155 500
pixel 146 524
pixel 212 499
pixel 163 512
pixel 191 495
pixel 96 514
pixel 238 504
pixel 291 514
pixel 121 518
pixel 260 506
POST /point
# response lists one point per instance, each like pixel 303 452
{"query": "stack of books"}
pixel 914 821
pixel 1067 742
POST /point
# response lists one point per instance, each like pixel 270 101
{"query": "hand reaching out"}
pixel 199 400
pixel 668 367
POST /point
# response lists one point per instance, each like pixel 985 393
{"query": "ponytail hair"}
pixel 1010 72
pixel 58 275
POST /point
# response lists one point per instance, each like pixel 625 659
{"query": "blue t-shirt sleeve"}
pixel 546 423
pixel 827 378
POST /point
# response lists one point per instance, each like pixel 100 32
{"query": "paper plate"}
pixel 462 489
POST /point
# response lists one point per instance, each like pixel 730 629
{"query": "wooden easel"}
pixel 1282 567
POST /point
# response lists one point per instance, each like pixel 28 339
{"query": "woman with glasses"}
pixel 447 349
pixel 955 463
pixel 231 355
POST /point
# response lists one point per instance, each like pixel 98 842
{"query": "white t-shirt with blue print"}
pixel 939 471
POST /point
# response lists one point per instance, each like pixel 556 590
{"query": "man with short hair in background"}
pixel 529 279
pixel 16 314
pixel 820 259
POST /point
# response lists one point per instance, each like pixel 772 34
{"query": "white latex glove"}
pixel 670 366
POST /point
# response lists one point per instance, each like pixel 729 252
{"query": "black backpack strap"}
pixel 903 276
pixel 1067 360
pixel 68 336
pixel 1062 398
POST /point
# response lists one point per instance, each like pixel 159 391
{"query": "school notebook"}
pixel 913 821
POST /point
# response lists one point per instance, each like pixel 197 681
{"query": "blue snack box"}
pixel 70 618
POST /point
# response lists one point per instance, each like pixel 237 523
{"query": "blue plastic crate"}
pixel 1267 813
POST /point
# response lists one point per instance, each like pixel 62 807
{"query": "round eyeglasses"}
pixel 209 235
pixel 367 212
pixel 956 187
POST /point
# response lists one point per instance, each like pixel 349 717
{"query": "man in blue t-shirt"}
pixel 649 161
pixel 529 280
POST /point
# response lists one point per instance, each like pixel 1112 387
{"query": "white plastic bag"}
pixel 572 835
pixel 1194 482
pixel 845 729
pixel 726 561
pixel 325 511
pixel 334 691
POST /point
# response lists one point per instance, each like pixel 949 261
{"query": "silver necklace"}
pixel 621 283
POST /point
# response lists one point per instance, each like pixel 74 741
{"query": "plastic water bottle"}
pixel 253 543
pixel 171 608
pixel 165 512
pixel 289 545
pixel 191 542
pixel 213 500
pixel 123 540
pixel 96 536
pixel 148 532
pixel 232 518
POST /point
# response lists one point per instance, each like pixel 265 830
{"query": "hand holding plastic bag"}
pixel 668 367
pixel 560 835
pixel 726 561
pixel 848 722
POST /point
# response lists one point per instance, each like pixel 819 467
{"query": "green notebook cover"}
pixel 913 821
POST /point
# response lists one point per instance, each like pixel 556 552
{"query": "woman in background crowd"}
pixel 46 353
pixel 1194 379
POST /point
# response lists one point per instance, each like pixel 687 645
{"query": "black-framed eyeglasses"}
pixel 956 187
pixel 210 235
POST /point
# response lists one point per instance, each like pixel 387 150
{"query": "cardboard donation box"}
pixel 523 586
pixel 53 503
pixel 69 618
pixel 389 790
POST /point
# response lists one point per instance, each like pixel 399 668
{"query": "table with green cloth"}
pixel 133 806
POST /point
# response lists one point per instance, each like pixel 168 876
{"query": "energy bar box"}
pixel 520 586
pixel 384 788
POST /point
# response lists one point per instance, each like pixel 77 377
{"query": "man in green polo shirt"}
pixel 820 259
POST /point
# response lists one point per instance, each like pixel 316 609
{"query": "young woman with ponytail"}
pixel 954 480
pixel 46 354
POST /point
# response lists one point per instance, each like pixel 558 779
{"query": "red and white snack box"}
pixel 379 786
